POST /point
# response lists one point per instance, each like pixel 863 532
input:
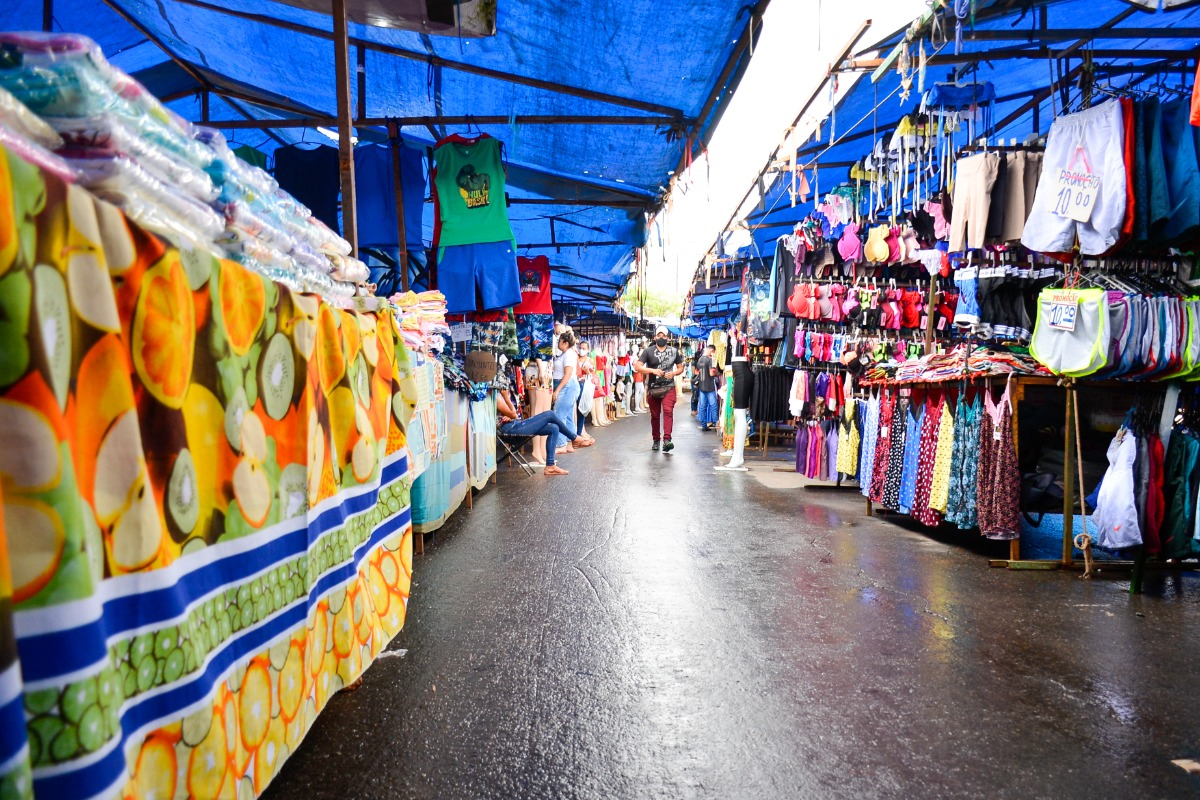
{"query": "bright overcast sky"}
pixel 799 39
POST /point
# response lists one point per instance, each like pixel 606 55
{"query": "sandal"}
pixel 583 443
pixel 555 470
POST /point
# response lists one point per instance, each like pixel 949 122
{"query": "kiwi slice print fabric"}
pixel 204 505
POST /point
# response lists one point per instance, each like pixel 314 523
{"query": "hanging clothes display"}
pixel 998 494
pixel 477 263
pixel 375 190
pixel 312 176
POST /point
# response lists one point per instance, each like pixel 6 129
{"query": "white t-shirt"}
pixel 571 359
pixel 563 360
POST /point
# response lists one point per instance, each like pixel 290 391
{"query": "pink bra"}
pixel 849 245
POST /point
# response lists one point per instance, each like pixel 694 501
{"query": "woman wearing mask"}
pixel 566 389
pixel 586 368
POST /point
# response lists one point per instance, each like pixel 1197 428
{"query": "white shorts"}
pixel 1101 131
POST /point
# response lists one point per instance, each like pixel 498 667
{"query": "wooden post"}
pixel 1014 545
pixel 341 59
pixel 930 313
pixel 47 16
pixel 398 187
pixel 1068 543
pixel 204 105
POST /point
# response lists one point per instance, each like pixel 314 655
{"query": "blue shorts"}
pixel 479 277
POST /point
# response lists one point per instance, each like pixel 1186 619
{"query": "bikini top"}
pixel 839 292
pixel 877 250
pixel 824 304
pixel 895 251
pixel 849 246
pixel 913 305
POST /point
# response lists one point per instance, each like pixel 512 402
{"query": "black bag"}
pixel 660 390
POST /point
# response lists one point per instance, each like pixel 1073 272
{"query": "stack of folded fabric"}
pixel 171 177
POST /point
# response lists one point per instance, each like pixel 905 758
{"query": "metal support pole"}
pixel 398 186
pixel 341 58
pixel 204 106
pixel 47 15
pixel 1068 540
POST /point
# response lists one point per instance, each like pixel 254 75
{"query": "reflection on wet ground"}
pixel 647 627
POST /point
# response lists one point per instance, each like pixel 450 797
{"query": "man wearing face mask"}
pixel 660 363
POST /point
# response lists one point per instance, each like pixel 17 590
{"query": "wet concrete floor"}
pixel 650 628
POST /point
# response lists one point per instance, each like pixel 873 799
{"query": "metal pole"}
pixel 341 59
pixel 47 15
pixel 398 186
pixel 1068 540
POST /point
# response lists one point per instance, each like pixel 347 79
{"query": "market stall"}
pixel 206 508
pixel 978 229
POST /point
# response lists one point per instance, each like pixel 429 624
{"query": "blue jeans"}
pixel 564 409
pixel 708 408
pixel 546 423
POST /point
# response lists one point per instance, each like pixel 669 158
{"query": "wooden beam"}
pixel 1084 34
pixel 398 187
pixel 187 67
pixel 550 245
pixel 542 201
pixel 438 61
pixel 1009 54
pixel 341 61
pixel 745 40
pixel 842 56
pixel 313 121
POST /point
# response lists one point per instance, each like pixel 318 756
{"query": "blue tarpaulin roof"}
pixel 629 58
pixel 870 111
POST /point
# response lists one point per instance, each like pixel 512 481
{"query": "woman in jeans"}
pixel 566 391
pixel 546 423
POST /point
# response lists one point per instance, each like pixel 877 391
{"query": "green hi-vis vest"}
pixel 470 192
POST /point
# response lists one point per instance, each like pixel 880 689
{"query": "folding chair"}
pixel 512 445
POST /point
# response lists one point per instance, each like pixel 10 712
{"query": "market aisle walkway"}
pixel 649 628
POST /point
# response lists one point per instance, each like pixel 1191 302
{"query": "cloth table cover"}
pixel 205 492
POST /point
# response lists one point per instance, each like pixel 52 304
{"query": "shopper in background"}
pixel 639 388
pixel 566 391
pixel 706 387
pixel 661 362
pixel 586 370
pixel 695 381
pixel 546 423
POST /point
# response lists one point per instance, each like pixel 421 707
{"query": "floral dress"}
pixel 999 480
pixel 921 510
pixel 883 447
pixel 939 494
pixel 895 462
pixel 960 506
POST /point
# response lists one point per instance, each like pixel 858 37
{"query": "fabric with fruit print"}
pixel 205 486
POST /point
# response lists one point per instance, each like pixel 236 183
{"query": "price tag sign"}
pixel 1077 190
pixel 1064 309
pixel 461 332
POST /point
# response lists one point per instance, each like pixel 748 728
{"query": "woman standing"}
pixel 586 369
pixel 566 389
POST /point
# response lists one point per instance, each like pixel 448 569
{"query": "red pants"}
pixel 665 406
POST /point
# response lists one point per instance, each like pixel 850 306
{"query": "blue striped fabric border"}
pixel 149 711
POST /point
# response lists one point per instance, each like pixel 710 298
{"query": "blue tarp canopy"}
pixel 1015 47
pixel 634 80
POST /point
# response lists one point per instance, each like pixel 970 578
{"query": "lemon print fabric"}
pixel 204 505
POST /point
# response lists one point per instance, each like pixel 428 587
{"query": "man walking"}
pixel 706 385
pixel 660 363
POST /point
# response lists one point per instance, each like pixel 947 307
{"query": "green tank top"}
pixel 470 190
